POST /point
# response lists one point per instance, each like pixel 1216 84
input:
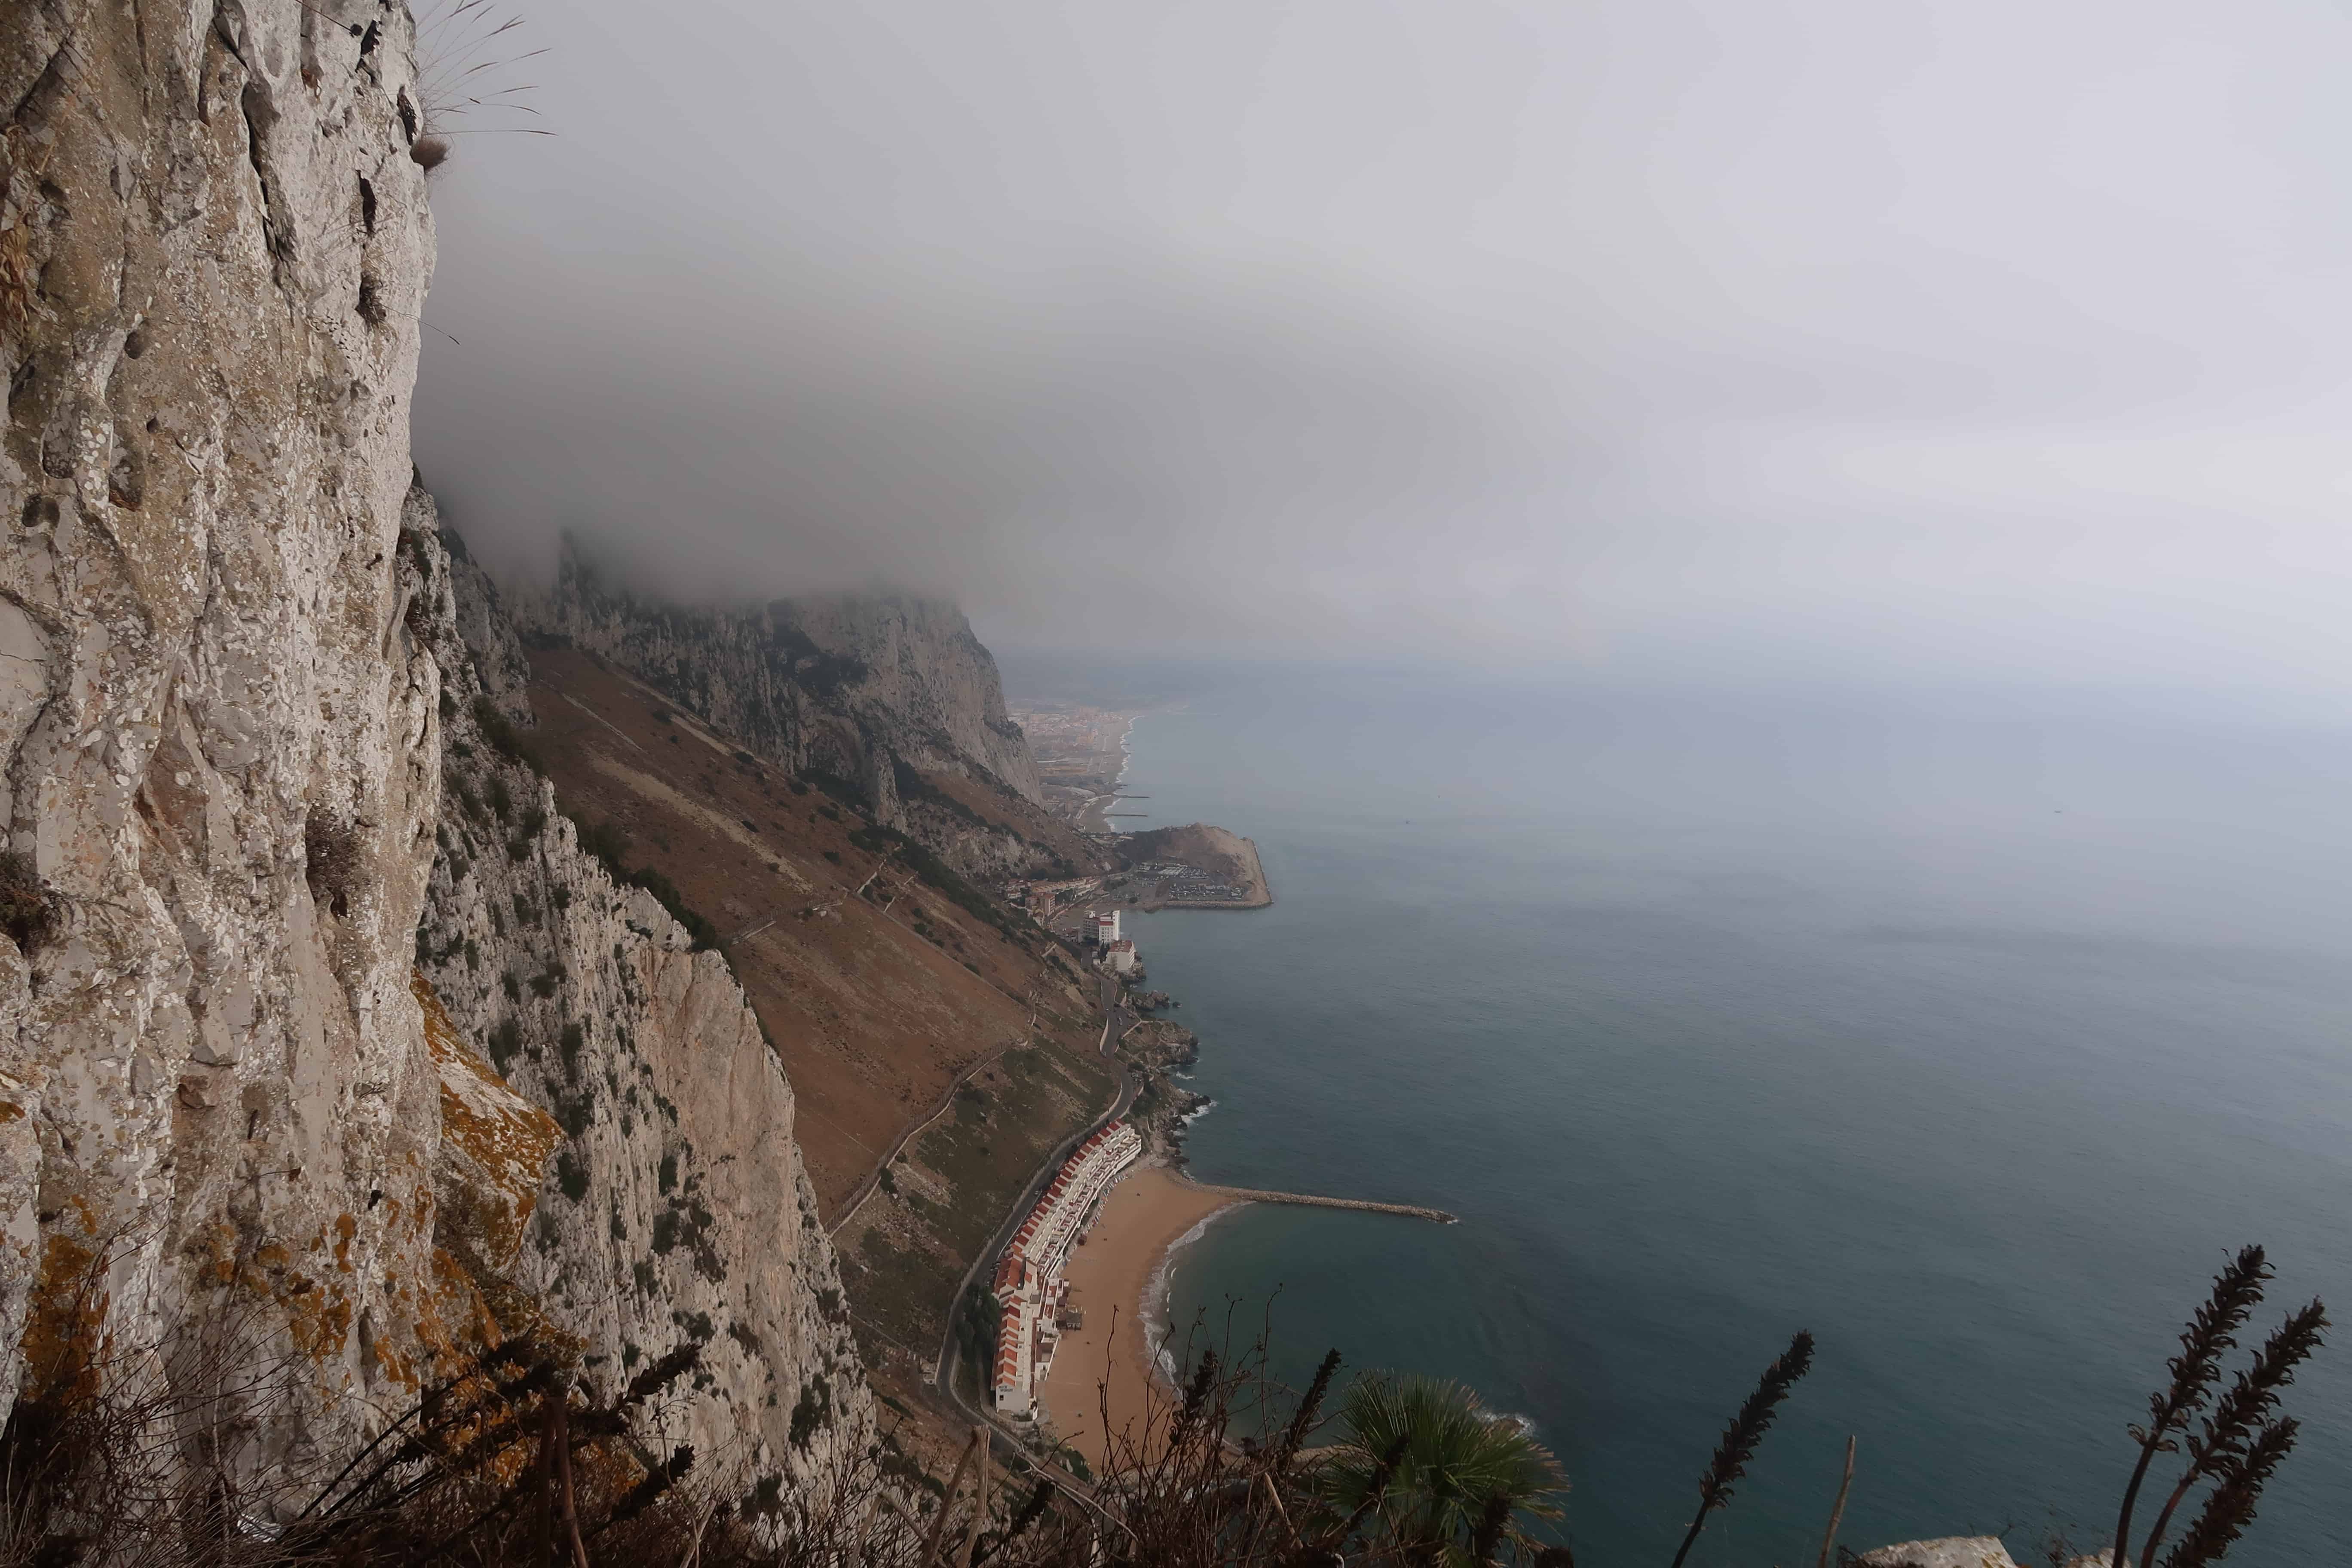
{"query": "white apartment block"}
pixel 1030 1289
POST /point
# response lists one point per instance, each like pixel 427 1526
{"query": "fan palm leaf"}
pixel 1458 1464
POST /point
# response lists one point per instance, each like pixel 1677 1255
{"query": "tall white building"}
pixel 1107 929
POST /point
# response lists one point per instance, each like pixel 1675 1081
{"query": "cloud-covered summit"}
pixel 1981 336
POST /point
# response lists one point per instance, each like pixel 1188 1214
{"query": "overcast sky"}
pixel 1978 338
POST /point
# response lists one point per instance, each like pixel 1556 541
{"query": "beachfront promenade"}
pixel 1105 1370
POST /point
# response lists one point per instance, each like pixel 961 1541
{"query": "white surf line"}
pixel 1160 1288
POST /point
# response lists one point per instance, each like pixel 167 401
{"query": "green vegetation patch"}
pixel 902 1292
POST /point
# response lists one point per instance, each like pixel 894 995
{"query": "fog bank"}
pixel 1984 339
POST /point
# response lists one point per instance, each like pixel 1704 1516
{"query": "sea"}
pixel 1967 1030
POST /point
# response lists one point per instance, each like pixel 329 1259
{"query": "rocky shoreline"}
pixel 1160 1051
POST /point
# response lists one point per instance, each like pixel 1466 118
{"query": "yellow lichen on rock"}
pixel 65 1329
pixel 495 1146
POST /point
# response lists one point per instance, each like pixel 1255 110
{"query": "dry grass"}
pixel 174 1454
pixel 465 67
pixel 156 1459
pixel 162 1459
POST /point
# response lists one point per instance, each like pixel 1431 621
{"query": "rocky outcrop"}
pixel 858 688
pixel 1947 1551
pixel 221 737
pixel 678 1210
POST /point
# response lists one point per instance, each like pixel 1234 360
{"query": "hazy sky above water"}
pixel 1967 338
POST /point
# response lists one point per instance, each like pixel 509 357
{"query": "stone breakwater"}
pixel 1311 1200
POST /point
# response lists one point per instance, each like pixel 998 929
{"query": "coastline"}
pixel 1119 1275
pixel 1116 1364
pixel 1095 815
pixel 1210 850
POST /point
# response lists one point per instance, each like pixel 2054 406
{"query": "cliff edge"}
pixel 677 1211
pixel 844 684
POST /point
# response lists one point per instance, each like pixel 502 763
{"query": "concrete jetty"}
pixel 1311 1200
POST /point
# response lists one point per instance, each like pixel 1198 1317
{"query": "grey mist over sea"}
pixel 1966 1030
pixel 1971 348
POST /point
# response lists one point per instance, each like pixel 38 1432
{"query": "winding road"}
pixel 1117 1018
pixel 947 1097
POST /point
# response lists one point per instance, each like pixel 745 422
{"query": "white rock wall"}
pixel 220 740
pixel 224 1095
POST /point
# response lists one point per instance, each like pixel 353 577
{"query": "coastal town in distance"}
pixel 1082 756
pixel 1081 752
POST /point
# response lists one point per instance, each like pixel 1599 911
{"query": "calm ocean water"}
pixel 1966 1033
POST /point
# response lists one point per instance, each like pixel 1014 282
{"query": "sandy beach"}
pixel 1096 816
pixel 1148 1212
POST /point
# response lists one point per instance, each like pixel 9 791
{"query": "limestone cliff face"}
pixel 678 1209
pixel 229 1090
pixel 861 688
pixel 220 734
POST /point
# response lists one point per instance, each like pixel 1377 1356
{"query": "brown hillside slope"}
pixel 888 995
pixel 982 803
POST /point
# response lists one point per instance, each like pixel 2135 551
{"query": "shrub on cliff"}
pixel 937 874
pixel 505 736
pixel 2242 1440
pixel 514 1460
